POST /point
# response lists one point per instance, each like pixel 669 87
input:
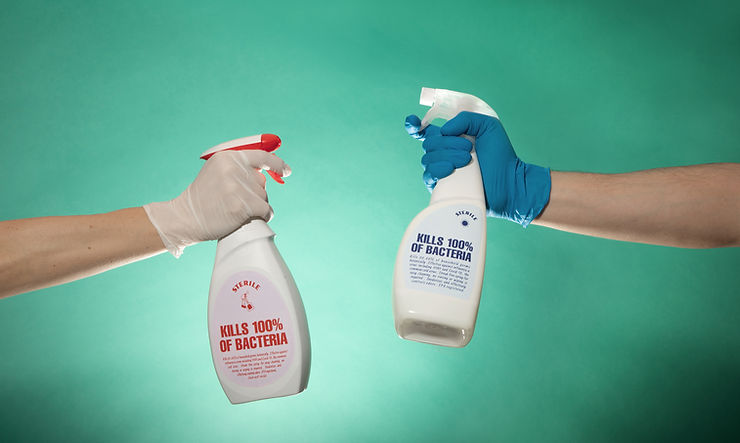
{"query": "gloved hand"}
pixel 514 190
pixel 228 191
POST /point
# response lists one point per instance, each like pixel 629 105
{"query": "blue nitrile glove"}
pixel 515 190
pixel 443 154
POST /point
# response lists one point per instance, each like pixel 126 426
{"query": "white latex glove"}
pixel 228 191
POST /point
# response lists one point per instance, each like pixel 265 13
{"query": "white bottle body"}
pixel 257 324
pixel 441 260
pixel 439 272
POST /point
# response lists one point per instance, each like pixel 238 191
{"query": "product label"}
pixel 250 330
pixel 445 251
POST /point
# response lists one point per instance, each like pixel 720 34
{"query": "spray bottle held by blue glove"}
pixel 472 171
pixel 438 275
pixel 514 190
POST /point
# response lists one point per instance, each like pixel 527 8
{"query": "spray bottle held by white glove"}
pixel 256 321
pixel 439 267
pixel 257 324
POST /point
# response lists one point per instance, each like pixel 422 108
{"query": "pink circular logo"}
pixel 251 333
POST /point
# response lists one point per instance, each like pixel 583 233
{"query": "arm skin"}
pixel 42 252
pixel 690 207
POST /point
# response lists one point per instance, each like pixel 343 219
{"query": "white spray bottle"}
pixel 256 321
pixel 439 267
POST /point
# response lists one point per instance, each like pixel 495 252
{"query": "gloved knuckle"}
pixel 223 158
pixel 257 158
pixel 231 187
pixel 466 114
pixel 226 165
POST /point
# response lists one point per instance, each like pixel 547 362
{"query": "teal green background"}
pixel 105 105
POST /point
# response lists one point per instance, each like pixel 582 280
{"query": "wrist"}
pixel 521 195
pixel 538 183
pixel 163 216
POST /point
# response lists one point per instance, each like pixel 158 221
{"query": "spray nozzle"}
pixel 261 142
pixel 446 104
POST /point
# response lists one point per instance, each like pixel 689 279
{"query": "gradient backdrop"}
pixel 105 105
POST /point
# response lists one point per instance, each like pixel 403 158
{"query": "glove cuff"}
pixel 538 186
pixel 532 194
pixel 158 215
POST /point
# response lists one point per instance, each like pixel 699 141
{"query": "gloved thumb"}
pixel 413 127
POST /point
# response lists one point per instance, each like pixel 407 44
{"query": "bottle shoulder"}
pixel 260 256
pixel 453 204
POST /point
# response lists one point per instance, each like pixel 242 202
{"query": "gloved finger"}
pixel 270 213
pixel 429 181
pixel 413 127
pixel 469 123
pixel 262 160
pixel 263 210
pixel 251 183
pixel 261 179
pixel 432 144
pixel 458 159
pixel 437 171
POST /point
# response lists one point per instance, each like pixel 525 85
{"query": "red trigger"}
pixel 275 176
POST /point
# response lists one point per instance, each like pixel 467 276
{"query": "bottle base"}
pixel 433 333
pixel 240 398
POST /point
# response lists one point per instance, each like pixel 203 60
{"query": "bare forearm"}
pixel 47 251
pixel 691 206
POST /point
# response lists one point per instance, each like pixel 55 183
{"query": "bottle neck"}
pixel 254 230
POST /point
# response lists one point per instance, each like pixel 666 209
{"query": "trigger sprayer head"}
pixel 446 104
pixel 261 142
